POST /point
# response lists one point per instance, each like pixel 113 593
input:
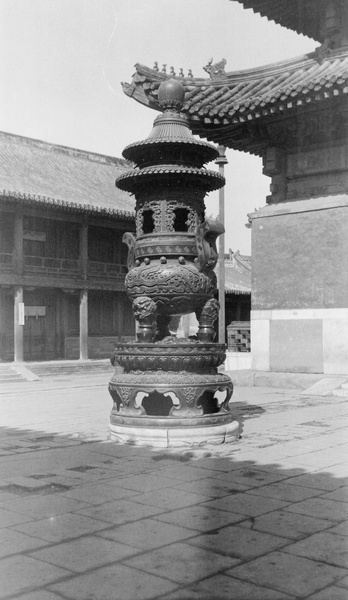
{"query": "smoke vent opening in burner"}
pixel 209 403
pixel 148 221
pixel 180 219
pixel 157 405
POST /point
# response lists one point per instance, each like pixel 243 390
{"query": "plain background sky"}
pixel 62 61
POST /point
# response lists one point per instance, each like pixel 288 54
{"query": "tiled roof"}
pixel 237 274
pixel 243 258
pixel 302 16
pixel 32 171
pixel 218 108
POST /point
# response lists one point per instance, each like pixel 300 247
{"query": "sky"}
pixel 62 63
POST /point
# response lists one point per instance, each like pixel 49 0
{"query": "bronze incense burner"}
pixel 167 390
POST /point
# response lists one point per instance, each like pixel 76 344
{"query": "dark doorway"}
pixel 41 335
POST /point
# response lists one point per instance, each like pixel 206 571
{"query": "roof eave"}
pixel 300 25
pixel 222 125
pixel 65 206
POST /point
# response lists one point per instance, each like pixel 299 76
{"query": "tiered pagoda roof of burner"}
pixel 170 150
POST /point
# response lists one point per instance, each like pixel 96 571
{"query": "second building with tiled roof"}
pixel 62 260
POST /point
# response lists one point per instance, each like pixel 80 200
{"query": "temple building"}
pixel 237 310
pixel 62 260
pixel 293 114
pixel 237 287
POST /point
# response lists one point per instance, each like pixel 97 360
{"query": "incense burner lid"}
pixel 171 140
pixel 171 94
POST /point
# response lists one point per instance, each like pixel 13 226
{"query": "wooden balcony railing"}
pixel 6 262
pixel 64 267
pixel 57 267
pixel 106 271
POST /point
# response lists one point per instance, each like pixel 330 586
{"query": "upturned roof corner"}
pixel 224 108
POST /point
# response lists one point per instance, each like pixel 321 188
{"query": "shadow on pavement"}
pixel 104 521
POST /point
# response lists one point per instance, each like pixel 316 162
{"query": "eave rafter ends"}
pixel 321 20
pixel 228 100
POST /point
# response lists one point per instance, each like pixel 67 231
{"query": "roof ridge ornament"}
pixel 216 70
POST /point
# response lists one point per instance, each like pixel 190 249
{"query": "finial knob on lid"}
pixel 171 94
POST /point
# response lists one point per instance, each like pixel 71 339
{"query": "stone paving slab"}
pixel 113 582
pixel 327 547
pixel 284 572
pixel 336 593
pixel 287 524
pixel 62 527
pixel 81 517
pixel 226 588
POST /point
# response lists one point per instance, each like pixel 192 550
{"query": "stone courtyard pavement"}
pixel 82 517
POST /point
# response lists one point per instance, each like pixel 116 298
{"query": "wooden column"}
pixel 18 324
pixel 65 322
pixel 59 351
pixel 221 161
pixel 18 290
pixel 83 259
pixel 18 241
pixel 83 324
